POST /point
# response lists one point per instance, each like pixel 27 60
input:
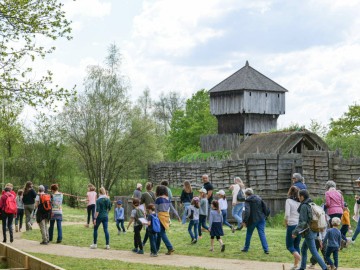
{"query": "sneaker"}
pixel 140 251
pixel 44 243
pixel 93 246
pixel 267 252
pixel 58 241
pixel 153 255
pixel 194 241
pixel 107 247
pixel 244 250
pixel 171 251
pixel 233 229
pixel 240 228
pixel 30 225
pixel 86 225
pixel 222 247
pixel 135 250
pixel 119 232
pixel 124 232
pixel 311 266
pixel 211 249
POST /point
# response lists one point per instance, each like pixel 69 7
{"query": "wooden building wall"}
pixel 220 142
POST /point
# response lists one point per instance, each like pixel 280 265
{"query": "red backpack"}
pixel 45 201
pixel 10 204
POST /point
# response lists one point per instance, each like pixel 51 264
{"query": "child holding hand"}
pixel 135 216
pixel 215 225
pixel 333 241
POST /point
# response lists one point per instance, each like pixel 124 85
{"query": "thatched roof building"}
pixel 281 143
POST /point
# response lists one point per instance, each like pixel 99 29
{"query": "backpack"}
pixel 10 205
pixel 139 214
pixel 240 196
pixel 155 223
pixel 318 221
pixel 45 202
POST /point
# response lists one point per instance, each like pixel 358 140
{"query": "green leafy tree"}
pixel 23 23
pixel 187 126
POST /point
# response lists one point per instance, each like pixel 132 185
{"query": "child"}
pixel 203 211
pixel 152 235
pixel 20 211
pixel 193 215
pixel 333 240
pixel 185 199
pixel 91 203
pixel 215 225
pixel 119 217
pixel 136 214
pixel 345 221
pixel 223 208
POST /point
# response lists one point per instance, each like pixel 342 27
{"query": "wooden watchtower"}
pixel 247 102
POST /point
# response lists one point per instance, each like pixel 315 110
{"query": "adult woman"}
pixel 29 203
pixel 334 201
pixel 7 217
pixel 91 202
pixel 103 206
pixel 56 213
pixel 238 207
pixel 137 191
pixel 356 213
pixel 291 220
pixel 162 206
pixel 185 199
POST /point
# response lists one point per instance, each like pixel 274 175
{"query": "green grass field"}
pixel 77 235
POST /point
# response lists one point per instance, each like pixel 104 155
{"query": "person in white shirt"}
pixel 223 205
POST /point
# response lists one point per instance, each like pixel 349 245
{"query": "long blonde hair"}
pixel 237 180
pixel 187 186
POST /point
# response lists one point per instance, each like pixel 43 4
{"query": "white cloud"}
pixel 87 8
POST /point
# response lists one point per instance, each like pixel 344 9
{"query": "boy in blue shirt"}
pixel 119 217
pixel 333 240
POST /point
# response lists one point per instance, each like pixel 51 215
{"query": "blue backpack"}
pixel 155 223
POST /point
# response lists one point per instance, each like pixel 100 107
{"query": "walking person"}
pixel 43 213
pixel 254 217
pixel 356 213
pixel 291 221
pixel 203 211
pixel 334 201
pixel 303 228
pixel 137 192
pixel 223 208
pixel 135 216
pixel 29 196
pixel 151 229
pixel 103 206
pixel 163 206
pixel 237 206
pixel 193 215
pixel 345 221
pixel 20 211
pixel 215 226
pixel 120 217
pixel 185 199
pixel 147 198
pixel 8 211
pixel 56 213
pixel 91 204
pixel 209 188
pixel 298 181
pixel 333 241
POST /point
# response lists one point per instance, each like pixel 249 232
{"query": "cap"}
pixel 196 199
pixel 357 180
pixel 203 190
pixel 119 202
pixel 221 192
pixel 138 185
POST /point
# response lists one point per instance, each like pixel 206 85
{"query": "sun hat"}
pixel 138 185
pixel 203 190
pixel 221 192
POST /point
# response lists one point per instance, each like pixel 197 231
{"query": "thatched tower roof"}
pixel 281 143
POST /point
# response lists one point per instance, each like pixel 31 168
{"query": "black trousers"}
pixel 137 237
pixel 7 220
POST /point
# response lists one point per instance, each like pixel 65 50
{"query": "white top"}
pixel 291 213
pixel 236 189
pixel 223 205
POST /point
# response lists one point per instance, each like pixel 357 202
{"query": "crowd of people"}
pixel 205 211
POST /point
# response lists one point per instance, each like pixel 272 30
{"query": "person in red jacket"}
pixel 7 218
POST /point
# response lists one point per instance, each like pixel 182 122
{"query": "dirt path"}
pixel 128 256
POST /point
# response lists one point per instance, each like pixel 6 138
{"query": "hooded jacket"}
pixel 304 217
pixel 254 210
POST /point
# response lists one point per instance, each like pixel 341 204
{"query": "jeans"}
pixel 292 244
pixel 19 216
pixel 152 238
pixel 120 222
pixel 202 223
pixel 309 243
pixel 186 206
pixel 7 220
pixel 162 236
pixel 137 237
pixel 28 209
pixel 260 226
pixel 335 252
pixel 357 231
pixel 59 229
pixel 237 213
pixel 104 221
pixel 313 260
pixel 224 214
pixel 90 210
pixel 344 229
pixel 195 224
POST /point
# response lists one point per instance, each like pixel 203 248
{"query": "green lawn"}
pixel 80 264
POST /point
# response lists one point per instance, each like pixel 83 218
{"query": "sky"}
pixel 310 47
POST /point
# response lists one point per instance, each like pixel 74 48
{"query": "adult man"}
pixel 298 181
pixel 303 228
pixel 209 188
pixel 254 217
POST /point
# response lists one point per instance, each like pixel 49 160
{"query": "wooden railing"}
pixel 17 259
